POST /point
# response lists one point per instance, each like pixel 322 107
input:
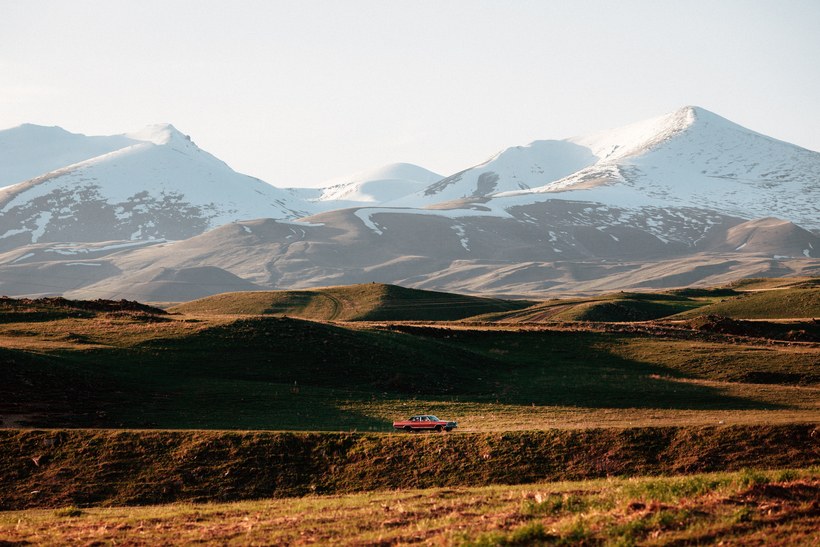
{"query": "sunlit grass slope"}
pixel 614 307
pixel 757 299
pixel 776 507
pixel 763 283
pixel 777 303
pixel 372 301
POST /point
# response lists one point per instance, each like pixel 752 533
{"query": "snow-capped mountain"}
pixel 150 184
pixel 681 199
pixel 695 158
pixel 688 158
pixel 516 168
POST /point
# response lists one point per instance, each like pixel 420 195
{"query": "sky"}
pixel 299 92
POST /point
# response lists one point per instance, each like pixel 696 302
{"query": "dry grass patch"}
pixel 747 507
pixel 103 330
pixel 803 403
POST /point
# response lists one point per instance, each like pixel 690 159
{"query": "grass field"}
pixel 79 365
pixel 273 373
pixel 741 508
pixel 619 385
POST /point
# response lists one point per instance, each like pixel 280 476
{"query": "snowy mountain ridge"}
pixel 682 199
pixel 561 163
pixel 149 184
pixel 688 158
pixel 702 160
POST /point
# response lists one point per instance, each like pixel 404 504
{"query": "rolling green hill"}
pixel 777 303
pixel 757 299
pixel 762 283
pixel 614 307
pixel 116 368
pixel 368 302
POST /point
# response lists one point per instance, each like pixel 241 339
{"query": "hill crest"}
pixel 362 302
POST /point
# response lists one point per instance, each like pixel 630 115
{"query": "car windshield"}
pixel 433 418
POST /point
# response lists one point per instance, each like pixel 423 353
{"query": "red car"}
pixel 425 422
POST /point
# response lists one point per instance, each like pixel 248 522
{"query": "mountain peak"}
pixel 692 111
pixel 638 138
pixel 699 114
pixel 160 134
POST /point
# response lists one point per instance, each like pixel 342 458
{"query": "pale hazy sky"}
pixel 297 92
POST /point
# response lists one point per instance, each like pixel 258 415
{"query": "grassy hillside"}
pixel 86 467
pixel 373 301
pixel 764 283
pixel 112 368
pixel 741 508
pixel 614 307
pixel 786 303
pixel 262 372
pixel 755 299
pixel 563 390
pixel 636 308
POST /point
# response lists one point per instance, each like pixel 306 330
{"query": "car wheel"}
pixel 438 429
pixel 408 429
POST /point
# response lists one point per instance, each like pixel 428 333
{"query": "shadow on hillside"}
pixel 576 369
pixel 276 373
pixel 219 404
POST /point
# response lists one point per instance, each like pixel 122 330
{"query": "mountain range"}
pixel 681 199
